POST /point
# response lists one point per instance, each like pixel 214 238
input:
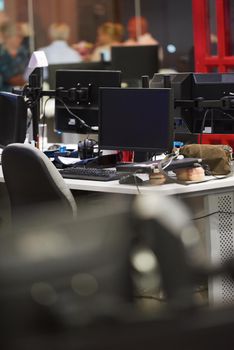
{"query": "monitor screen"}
pixel 52 69
pixel 13 118
pixel 209 86
pixel 135 61
pixel 67 110
pixel 136 119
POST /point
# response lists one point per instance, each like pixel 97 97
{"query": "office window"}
pixel 170 21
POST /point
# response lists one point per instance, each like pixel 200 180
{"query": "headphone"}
pixel 86 148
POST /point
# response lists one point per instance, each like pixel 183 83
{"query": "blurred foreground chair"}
pixel 36 189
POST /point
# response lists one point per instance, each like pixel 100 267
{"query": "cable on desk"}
pixel 205 116
pixel 163 164
pixel 203 123
pixel 212 214
pixel 31 101
pixel 81 121
pixel 137 186
pixel 44 110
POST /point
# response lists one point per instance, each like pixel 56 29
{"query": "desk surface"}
pixel 168 189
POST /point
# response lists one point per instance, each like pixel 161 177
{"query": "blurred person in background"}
pixel 27 33
pixel 13 58
pixel 4 20
pixel 108 34
pixel 59 51
pixel 138 34
pixel 84 48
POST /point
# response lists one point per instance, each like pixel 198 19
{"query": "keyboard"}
pixel 95 174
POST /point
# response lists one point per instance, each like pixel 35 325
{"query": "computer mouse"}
pixel 132 179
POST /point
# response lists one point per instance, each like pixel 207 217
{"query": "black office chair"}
pixel 35 187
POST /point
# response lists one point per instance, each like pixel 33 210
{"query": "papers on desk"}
pixel 143 177
pixel 68 160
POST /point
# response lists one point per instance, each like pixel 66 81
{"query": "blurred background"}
pixel 170 22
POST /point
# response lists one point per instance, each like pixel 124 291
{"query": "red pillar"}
pixel 204 61
pixel 201 32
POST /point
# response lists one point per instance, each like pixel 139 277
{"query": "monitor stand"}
pixel 140 157
pixel 104 161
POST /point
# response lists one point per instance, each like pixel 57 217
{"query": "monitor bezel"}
pixel 59 107
pixel 158 150
pixel 14 118
pixel 121 59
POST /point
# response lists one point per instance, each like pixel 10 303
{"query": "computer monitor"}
pixel 86 110
pixel 13 118
pixel 209 86
pixel 52 68
pixel 136 119
pixel 135 61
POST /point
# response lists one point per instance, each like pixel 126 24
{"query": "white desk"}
pixel 168 189
pixel 207 197
pixel 195 189
pixel 203 198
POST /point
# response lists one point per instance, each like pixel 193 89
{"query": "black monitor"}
pixel 135 61
pixel 193 86
pixel 136 119
pixel 88 109
pixel 13 118
pixel 52 69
